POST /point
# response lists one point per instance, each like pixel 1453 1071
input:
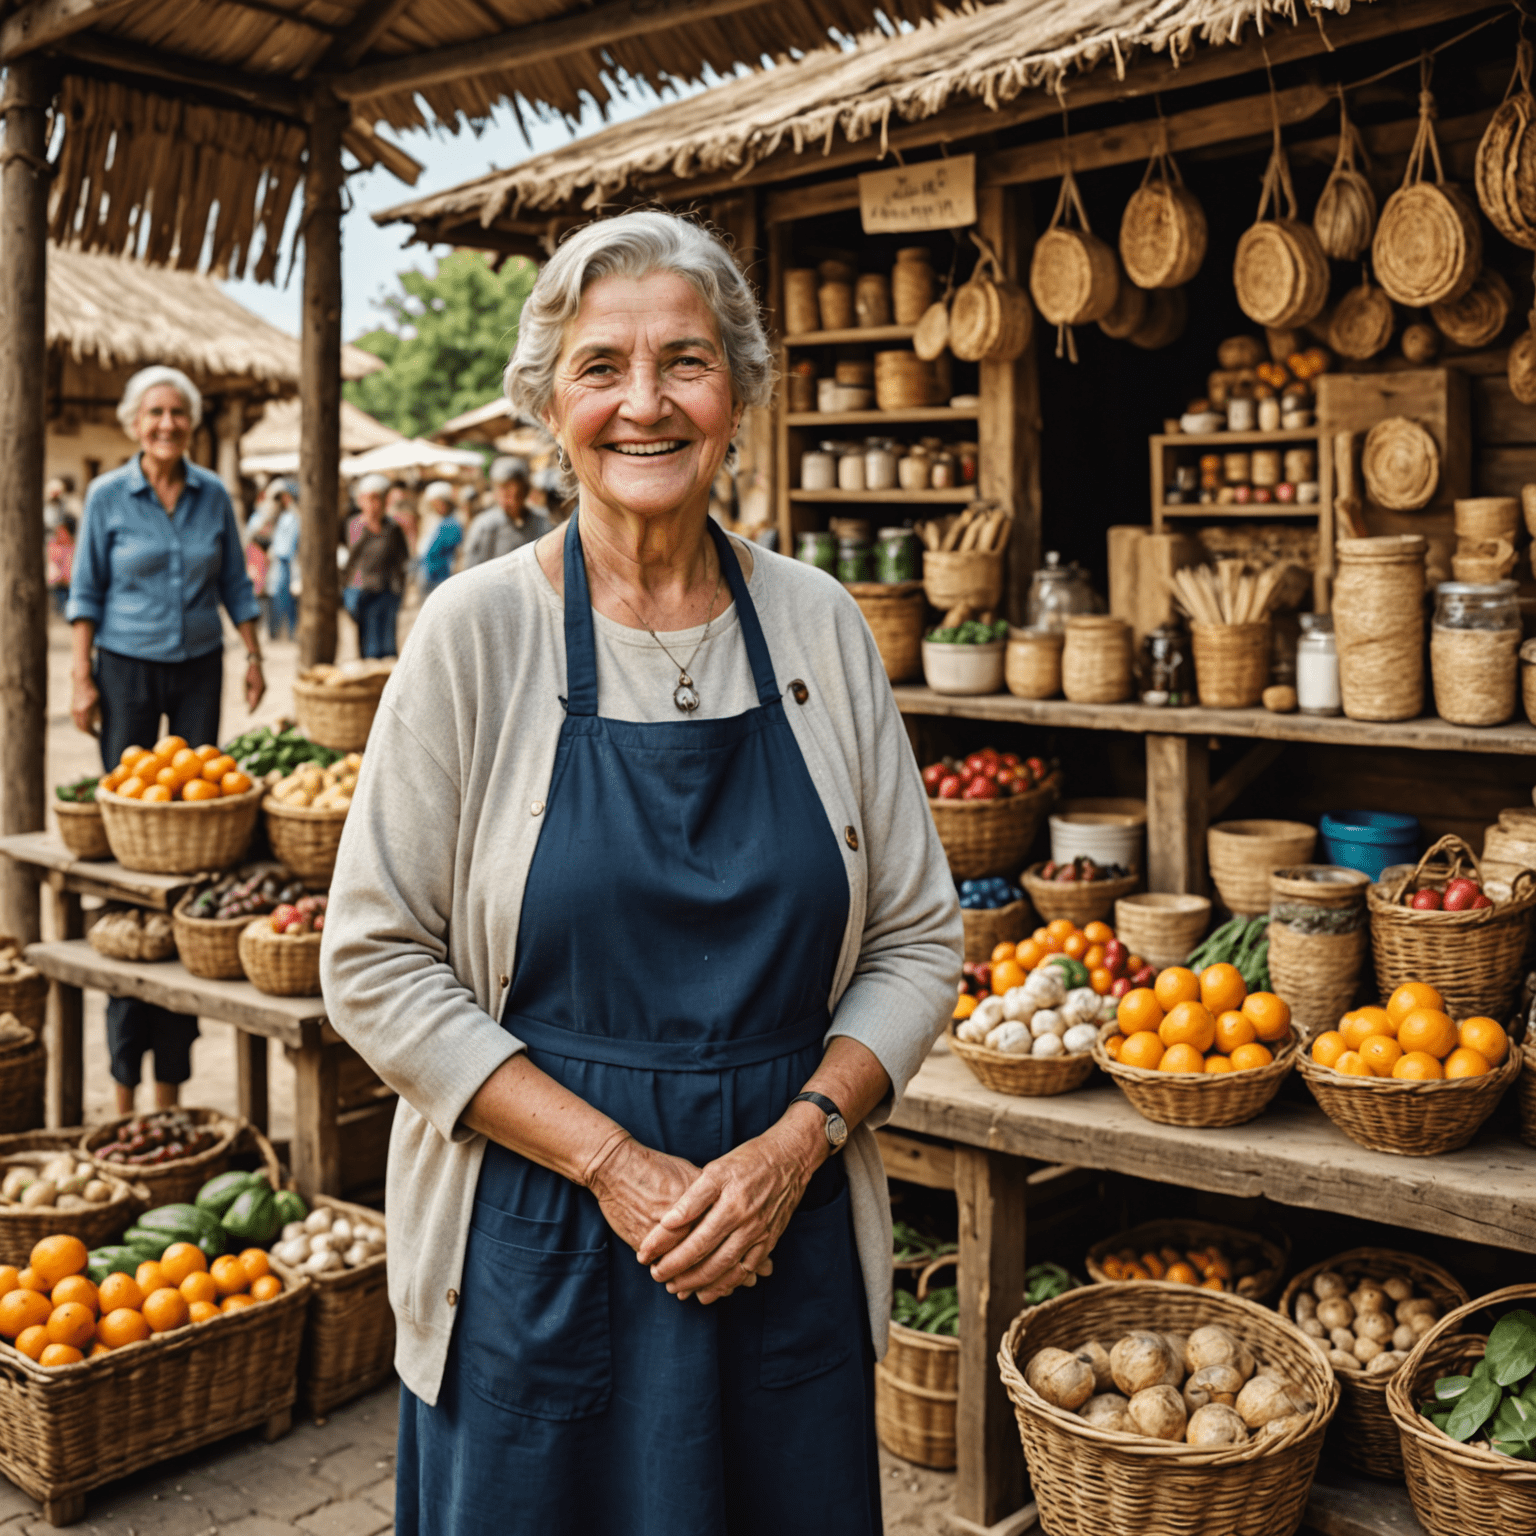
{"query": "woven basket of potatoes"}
pixel 46 1186
pixel 305 813
pixel 1368 1308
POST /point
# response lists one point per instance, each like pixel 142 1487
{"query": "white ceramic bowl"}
pixel 1106 831
pixel 964 668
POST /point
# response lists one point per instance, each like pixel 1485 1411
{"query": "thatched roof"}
pixel 278 431
pixel 982 55
pixel 119 313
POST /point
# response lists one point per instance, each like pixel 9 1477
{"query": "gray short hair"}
pixel 145 380
pixel 634 245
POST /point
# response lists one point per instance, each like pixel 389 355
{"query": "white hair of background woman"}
pixel 634 245
pixel 145 380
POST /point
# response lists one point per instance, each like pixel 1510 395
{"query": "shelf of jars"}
pixel 898 416
pixel 1242 474
pixel 958 494
pixel 851 333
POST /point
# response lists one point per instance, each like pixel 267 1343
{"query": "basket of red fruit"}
pixel 281 952
pixel 1442 923
pixel 988 808
pixel 1080 890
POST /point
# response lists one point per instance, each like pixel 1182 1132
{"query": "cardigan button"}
pixel 453 1298
pixel 799 691
pixel 537 808
pixel 851 838
pixel 504 981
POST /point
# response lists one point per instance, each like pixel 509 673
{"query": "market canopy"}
pixel 409 453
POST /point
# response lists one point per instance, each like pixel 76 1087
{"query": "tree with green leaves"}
pixel 446 341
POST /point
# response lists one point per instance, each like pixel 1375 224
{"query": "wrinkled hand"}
pixel 255 686
pixel 726 1225
pixel 85 705
pixel 636 1186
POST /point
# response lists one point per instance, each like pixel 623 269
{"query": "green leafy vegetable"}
pixel 1511 1352
pixel 1449 1388
pixel 1473 1409
pixel 1042 1282
pixel 912 1244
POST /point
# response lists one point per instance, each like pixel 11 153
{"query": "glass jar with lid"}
pixel 1167 671
pixel 1317 667
pixel 879 464
pixel 1058 591
pixel 1474 651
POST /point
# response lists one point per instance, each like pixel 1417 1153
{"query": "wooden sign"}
pixel 938 194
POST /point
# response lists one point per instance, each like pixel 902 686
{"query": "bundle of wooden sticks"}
pixel 984 525
pixel 1227 595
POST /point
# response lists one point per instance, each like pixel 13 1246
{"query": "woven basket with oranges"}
pixel 1408 1078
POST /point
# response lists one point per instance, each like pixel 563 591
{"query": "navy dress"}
pixel 680 928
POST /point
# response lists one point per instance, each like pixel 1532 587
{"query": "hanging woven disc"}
pixel 1477 317
pixel 1162 232
pixel 932 333
pixel 975 317
pixel 1167 314
pixel 1073 275
pixel 1522 374
pixel 1506 159
pixel 1362 322
pixel 1401 465
pixel 1130 309
pixel 1017 323
pixel 1345 216
pixel 1280 272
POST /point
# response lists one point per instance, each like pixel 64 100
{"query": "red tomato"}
pixel 1036 766
pixel 949 787
pixel 934 775
pixel 980 788
pixel 1011 759
pixel 1119 987
pixel 1426 901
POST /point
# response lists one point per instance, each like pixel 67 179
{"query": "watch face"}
pixel 837 1131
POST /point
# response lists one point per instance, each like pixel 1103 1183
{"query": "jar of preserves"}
pixel 855 560
pixel 1317 667
pixel 897 556
pixel 1167 673
pixel 879 464
pixel 818 549
pixel 1058 591
pixel 818 468
pixel 1474 651
pixel 850 471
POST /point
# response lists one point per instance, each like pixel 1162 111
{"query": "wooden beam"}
pixel 51 21
pixel 372 21
pixel 23 366
pixel 916 1162
pixel 117 55
pixel 1251 766
pixel 521 46
pixel 1177 776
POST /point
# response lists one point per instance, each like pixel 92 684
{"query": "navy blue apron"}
pixel 682 921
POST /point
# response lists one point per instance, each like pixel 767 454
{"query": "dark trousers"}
pixel 135 696
pixel 376 614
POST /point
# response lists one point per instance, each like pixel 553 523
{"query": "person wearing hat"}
pixel 511 523
pixel 444 534
pixel 374 575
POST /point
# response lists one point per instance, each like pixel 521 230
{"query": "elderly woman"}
pixel 159 551
pixel 373 577
pixel 443 533
pixel 641 910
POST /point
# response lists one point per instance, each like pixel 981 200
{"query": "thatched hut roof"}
pixel 277 435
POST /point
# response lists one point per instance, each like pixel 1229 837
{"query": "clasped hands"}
pixel 704 1232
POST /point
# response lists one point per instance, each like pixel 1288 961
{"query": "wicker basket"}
pixel 1525 1093
pixel 1505 164
pixel 1280 273
pixel 1243 854
pixel 1488 517
pixel 1160 927
pixel 991 837
pixel 1362 322
pixel 1345 216
pixel 1458 1490
pixel 1478 317
pixel 955 576
pixel 1162 231
pixel 1363 1435
pixel 1079 901
pixel 894 613
pixel 25 996
pixel 1092 1482
pixel 1270 1251
pixel 1073 275
pixel 1032 663
pixel 1231 664
pixel 82 828
pixel 305 839
pixel 23 1086
pixel 281 965
pixel 1025 1077
pixel 208 946
pixel 911 283
pixel 1378 621
pixel 917 1388
pixel 177 838
pixel 1410 1119
pixel 1199 1098
pixel 1317 939
pixel 1096 659
pixel 71 1428
pixel 340 715
pixel 1472 959
pixel 1400 464
pixel 94 1225
pixel 986 928
pixel 172 1183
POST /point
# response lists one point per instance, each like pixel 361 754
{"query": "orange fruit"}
pixel 71 1324
pixel 254 1263
pixel 131 755
pixel 180 1260
pixel 171 778
pixel 207 752
pixel 1075 945
pixel 1246 1057
pixel 1101 979
pixel 1234 1028
pixel 1176 985
pixel 113 779
pixel 1412 995
pixel 1269 1015
pixel 1098 933
pixel 217 766
pixel 168 746
pixel 199 1286
pixel 1144 1048
pixel 1429 1030
pixel 55 1257
pixel 8 1273
pixel 1180 1272
pixel 123 1325
pixel 1030 953
pixel 965 1006
pixel 187 760
pixel 1093 956
pixel 119 1290
pixel 235 1303
pixel 1418 1066
pixel 30 1280
pixel 1181 1058
pixel 98 1348
pixel 1381 1022
pixel 234 783
pixel 265 1287
pixel 131 788
pixel 60 1354
pixel 1139 1009
pixel 32 1341
pixel 1001 952
pixel 1353 1029
pixel 1222 987
pixel 202 1311
pixel 1112 1046
pixel 1007 974
pixel 76 1288
pixel 1380 1053
pixel 150 1277
pixel 199 789
pixel 1188 1024
pixel 1485 1036
pixel 228 1275
pixel 157 794
pixel 1465 1062
pixel 1061 928
pixel 1218 1063
pixel 165 1309
pixel 1352 1064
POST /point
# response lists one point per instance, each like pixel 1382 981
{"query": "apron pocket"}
pixel 534 1327
pixel 806 1314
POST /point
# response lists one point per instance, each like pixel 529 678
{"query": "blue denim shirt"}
pixel 152 584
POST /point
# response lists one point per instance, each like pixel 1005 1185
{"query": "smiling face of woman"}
pixel 643 403
pixel 163 424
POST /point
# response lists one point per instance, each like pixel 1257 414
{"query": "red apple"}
pixel 1426 901
pixel 1119 987
pixel 1479 902
pixel 1144 977
pixel 949 787
pixel 934 775
pixel 980 788
pixel 1115 956
pixel 1461 894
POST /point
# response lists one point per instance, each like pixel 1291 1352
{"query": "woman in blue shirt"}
pixel 159 551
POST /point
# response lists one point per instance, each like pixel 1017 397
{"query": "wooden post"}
pixel 23 367
pixel 320 384
pixel 315 1153
pixel 67 1044
pixel 251 1052
pixel 1178 772
pixel 228 421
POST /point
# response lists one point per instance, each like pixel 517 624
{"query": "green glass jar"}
pixel 897 557
pixel 820 550
pixel 855 560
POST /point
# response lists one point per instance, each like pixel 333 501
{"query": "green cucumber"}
pixel 290 1206
pixel 253 1218
pixel 218 1194
pixel 117 1259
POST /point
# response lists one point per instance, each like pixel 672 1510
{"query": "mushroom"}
pixel 1010 1039
pixel 1211 1345
pixel 1158 1412
pixel 1096 1357
pixel 989 1012
pixel 1108 1411
pixel 1216 1424
pixel 1046 1045
pixel 1212 1384
pixel 1061 1379
pixel 1141 1361
pixel 971 1030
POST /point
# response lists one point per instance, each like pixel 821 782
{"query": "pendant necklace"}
pixel 685 696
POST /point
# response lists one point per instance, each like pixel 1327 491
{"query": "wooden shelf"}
pixel 1235 439
pixel 1249 509
pixel 880 418
pixel 853 333
pixel 958 493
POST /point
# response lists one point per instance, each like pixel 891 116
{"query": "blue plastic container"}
pixel 1369 841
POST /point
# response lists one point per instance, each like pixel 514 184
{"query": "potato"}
pixel 1212 1384
pixel 1342 1338
pixel 1108 1411
pixel 38 1193
pixel 1061 1379
pixel 1306 1306
pixel 1314 1329
pixel 59 1168
pixel 1283 1426
pixel 1158 1412
pixel 1265 1398
pixel 1096 1357
pixel 71 1203
pixel 16 1180
pixel 1335 1313
pixel 1385 1363
pixel 1343 1360
pixel 1374 1325
pixel 1141 1361
pixel 1416 1306
pixel 1216 1424
pixel 1398 1288
pixel 97 1191
pixel 1421 1323
pixel 1366 1350
pixel 1211 1345
pixel 1328 1285
pixel 1370 1298
pixel 1177 1343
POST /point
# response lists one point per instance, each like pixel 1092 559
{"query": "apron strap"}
pixel 580 644
pixel 746 616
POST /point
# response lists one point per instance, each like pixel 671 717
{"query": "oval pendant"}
pixel 685 695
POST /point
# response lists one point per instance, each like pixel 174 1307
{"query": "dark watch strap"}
pixel 837 1127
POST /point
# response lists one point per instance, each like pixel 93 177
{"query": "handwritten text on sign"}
pixel 939 194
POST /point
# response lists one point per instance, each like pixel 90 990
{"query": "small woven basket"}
pixel 1270 1251
pixel 1458 1490
pixel 1378 621
pixel 1410 1119
pixel 1345 216
pixel 94 1225
pixel 25 996
pixel 208 946
pixel 1363 1435
pixel 1231 664
pixel 1162 231
pixel 1243 854
pixel 1199 1098
pixel 82 828
pixel 800 311
pixel 911 284
pixel 23 1086
pixel 1472 959
pixel 991 837
pixel 1478 317
pixel 1025 1077
pixel 305 839
pixel 1506 159
pixel 1079 901
pixel 1094 1482
pixel 1318 974
pixel 1362 322
pixel 1280 273
pixel 340 715
pixel 1160 927
pixel 1032 663
pixel 178 838
pixel 1475 674
pixel 1096 659
pixel 280 964
pixel 894 613
pixel 955 576
pixel 986 928
pixel 1073 275
pixel 174 1182
pixel 917 1389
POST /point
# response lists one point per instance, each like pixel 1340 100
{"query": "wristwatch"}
pixel 837 1127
